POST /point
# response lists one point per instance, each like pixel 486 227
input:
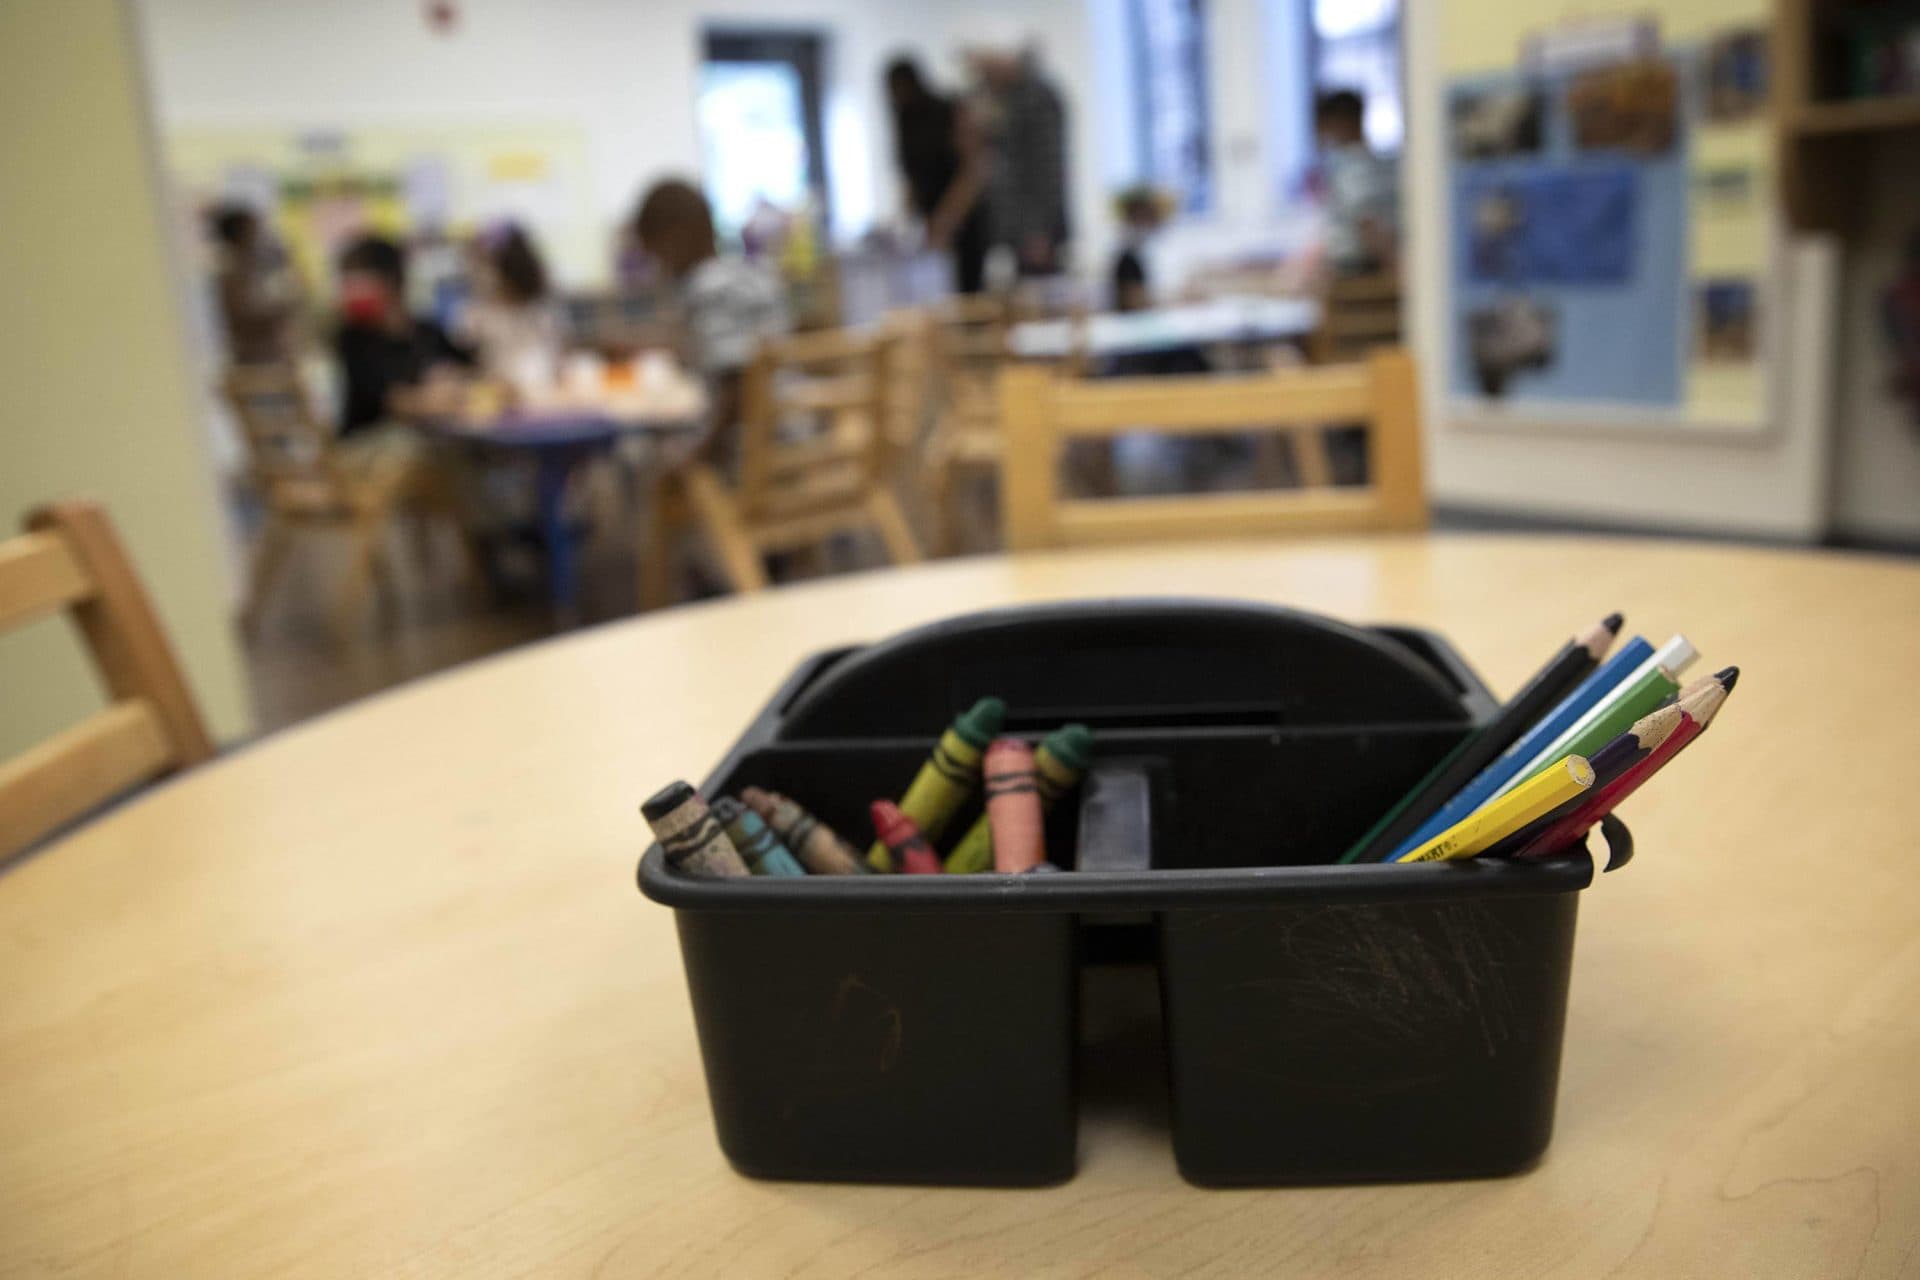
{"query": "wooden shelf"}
pixel 1865 115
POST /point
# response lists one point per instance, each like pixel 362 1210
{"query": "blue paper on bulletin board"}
pixel 1552 226
pixel 1580 297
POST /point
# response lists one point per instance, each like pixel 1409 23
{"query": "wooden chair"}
pixel 1043 415
pixel 305 481
pixel 70 560
pixel 815 425
pixel 1357 314
pixel 968 351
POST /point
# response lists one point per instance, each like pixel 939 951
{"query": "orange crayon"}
pixel 907 847
pixel 1013 806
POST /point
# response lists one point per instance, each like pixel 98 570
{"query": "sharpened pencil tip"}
pixel 1613 621
pixel 1728 677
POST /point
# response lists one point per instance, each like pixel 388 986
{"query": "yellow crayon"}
pixel 949 775
pixel 1497 819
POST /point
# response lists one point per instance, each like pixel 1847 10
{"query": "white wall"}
pixel 96 399
pixel 1777 485
pixel 624 71
pixel 1877 480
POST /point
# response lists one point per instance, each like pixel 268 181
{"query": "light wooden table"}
pixel 377 996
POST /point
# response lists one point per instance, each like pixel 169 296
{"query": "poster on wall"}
pixel 432 185
pixel 1610 199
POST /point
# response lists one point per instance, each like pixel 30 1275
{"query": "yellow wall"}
pixel 1485 35
pixel 95 395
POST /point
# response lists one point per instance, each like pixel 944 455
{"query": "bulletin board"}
pixel 1611 209
pixel 324 186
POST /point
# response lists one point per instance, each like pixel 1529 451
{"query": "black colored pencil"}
pixel 1572 664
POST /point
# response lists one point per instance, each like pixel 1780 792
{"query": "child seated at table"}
pixel 384 352
pixel 728 305
pixel 513 323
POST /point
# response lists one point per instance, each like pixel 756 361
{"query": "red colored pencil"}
pixel 1698 704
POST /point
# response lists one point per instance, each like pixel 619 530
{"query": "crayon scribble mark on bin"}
pixel 863 1026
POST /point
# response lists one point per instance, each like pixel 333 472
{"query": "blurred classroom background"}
pixel 394 334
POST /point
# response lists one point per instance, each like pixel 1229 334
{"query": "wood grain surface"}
pixel 377 996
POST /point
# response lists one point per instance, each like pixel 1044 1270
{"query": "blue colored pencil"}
pixel 1556 722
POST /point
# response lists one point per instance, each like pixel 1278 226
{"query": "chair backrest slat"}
pixel 71 559
pixel 1043 414
pixel 38 575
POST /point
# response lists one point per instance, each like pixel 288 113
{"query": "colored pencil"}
pixel 1485 784
pixel 1495 821
pixel 1551 683
pixel 1657 681
pixel 1699 703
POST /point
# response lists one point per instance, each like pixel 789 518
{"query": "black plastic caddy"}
pixel 1323 1023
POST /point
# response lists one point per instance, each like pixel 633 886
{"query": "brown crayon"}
pixel 688 834
pixel 812 841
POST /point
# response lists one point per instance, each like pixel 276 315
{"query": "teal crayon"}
pixel 759 848
pixel 814 843
pixel 692 841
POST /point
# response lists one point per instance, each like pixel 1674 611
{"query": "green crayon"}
pixel 948 777
pixel 688 835
pixel 759 848
pixel 1059 762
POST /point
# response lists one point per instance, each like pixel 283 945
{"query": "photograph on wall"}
pixel 1554 226
pixel 1513 336
pixel 1631 106
pixel 1493 124
pixel 1735 72
pixel 1726 330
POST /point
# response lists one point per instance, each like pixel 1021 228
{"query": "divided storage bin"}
pixel 1323 1023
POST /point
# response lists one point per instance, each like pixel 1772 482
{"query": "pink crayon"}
pixel 1013 806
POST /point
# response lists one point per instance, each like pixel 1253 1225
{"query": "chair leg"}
pixel 883 508
pixel 269 558
pixel 362 571
pixel 720 519
pixel 666 515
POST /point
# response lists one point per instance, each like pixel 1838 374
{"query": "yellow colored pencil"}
pixel 1499 818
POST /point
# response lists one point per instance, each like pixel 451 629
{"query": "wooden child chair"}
pixel 968 351
pixel 71 560
pixel 815 424
pixel 1043 415
pixel 1357 315
pixel 307 481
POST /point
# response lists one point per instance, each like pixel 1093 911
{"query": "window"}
pixel 1356 45
pixel 1167 50
pixel 760 124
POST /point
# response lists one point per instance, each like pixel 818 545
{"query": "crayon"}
pixel 906 847
pixel 1492 779
pixel 688 835
pixel 1060 761
pixel 1013 806
pixel 1498 819
pixel 1574 661
pixel 811 840
pixel 759 848
pixel 1656 681
pixel 949 775
pixel 1699 703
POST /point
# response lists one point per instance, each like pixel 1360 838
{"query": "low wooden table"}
pixel 558 442
pixel 377 996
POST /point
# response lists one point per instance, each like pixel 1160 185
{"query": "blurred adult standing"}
pixel 1028 131
pixel 943 165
